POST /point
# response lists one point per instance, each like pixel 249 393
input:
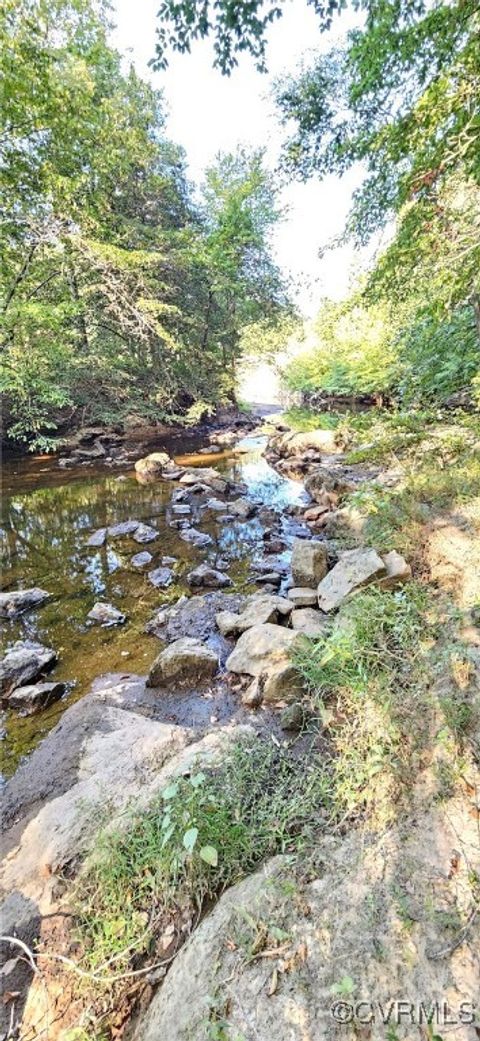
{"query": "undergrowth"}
pixel 368 679
pixel 203 833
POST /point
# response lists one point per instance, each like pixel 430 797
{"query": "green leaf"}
pixel 170 791
pixel 189 839
pixel 210 855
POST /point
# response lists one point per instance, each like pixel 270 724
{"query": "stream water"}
pixel 48 514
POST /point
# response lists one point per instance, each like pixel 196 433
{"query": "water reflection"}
pixel 46 521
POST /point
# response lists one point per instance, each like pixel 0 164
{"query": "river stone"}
pixel 207 476
pixel 161 578
pixel 195 538
pixel 215 504
pixel 36 696
pixel 98 538
pixel 242 508
pixel 181 509
pixel 106 615
pixel 141 559
pixel 293 716
pixel 185 661
pixel 308 622
pixel 193 617
pixel 355 569
pixel 271 578
pixel 152 465
pixel 19 600
pixel 209 577
pixel 303 596
pixel 309 562
pixel 282 682
pixel 398 571
pixel 145 533
pixel 124 528
pixel 258 611
pixel 260 648
pixel 25 661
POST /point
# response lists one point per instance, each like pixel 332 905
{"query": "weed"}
pixel 203 833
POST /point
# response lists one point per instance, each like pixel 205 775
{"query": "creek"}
pixel 48 514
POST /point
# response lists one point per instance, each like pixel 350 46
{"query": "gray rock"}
pixel 252 697
pixel 293 716
pixel 309 562
pixel 308 622
pixel 19 600
pixel 186 661
pixel 145 533
pixel 215 504
pixel 161 578
pixel 303 596
pixel 25 661
pixel 272 578
pixel 355 569
pixel 181 510
pixel 124 528
pixel 98 538
pixel 193 617
pixel 196 538
pixel 106 615
pixel 259 610
pixel 206 476
pixel 141 559
pixel 36 696
pixel 207 577
pixel 242 508
pixel 166 561
pixel 260 648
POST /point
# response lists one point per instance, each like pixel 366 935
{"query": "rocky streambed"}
pixel 185 584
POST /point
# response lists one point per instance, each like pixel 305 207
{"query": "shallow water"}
pixel 47 516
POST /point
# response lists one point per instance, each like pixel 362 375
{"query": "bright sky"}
pixel 209 113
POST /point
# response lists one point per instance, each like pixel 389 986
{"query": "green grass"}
pixel 369 680
pixel 303 420
pixel 202 834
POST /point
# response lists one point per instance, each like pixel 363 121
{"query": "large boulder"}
pixel 19 600
pixel 398 571
pixel 303 596
pixel 152 465
pixel 258 610
pixel 23 663
pixel 261 648
pixel 207 577
pixel 355 569
pixel 309 562
pixel 296 444
pixel 282 682
pixel 186 661
pixel 242 508
pixel 194 616
pixel 336 477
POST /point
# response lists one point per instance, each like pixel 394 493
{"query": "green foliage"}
pixel 119 294
pixel 202 834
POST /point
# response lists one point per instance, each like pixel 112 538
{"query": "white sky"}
pixel 209 113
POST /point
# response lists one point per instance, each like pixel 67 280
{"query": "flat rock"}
pixel 207 476
pixel 161 577
pixel 259 610
pixel 106 615
pixel 309 562
pixel 272 578
pixel 181 509
pixel 308 622
pixel 141 559
pixel 193 617
pixel 34 697
pixel 124 528
pixel 186 661
pixel 355 569
pixel 19 600
pixel 208 577
pixel 196 538
pixel 25 661
pixel 145 533
pixel 98 537
pixel 303 596
pixel 215 504
pixel 261 648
